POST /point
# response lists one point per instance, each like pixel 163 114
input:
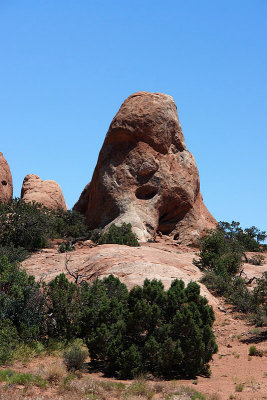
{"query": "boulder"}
pixel 145 175
pixel 48 193
pixel 6 186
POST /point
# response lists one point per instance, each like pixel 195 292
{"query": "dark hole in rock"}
pixel 4 183
pixel 146 192
pixel 176 236
pixel 172 215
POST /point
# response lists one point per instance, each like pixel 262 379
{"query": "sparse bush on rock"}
pixel 116 235
pixel 26 227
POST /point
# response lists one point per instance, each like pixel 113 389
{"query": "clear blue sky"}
pixel 66 67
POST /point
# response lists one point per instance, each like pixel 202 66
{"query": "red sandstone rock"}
pixel 82 203
pixel 48 193
pixel 6 186
pixel 132 265
pixel 145 175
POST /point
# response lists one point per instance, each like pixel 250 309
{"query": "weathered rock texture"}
pixel 132 265
pixel 145 175
pixel 82 203
pixel 48 193
pixel 6 186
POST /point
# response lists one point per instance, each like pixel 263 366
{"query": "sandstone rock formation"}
pixel 82 203
pixel 145 175
pixel 132 265
pixel 6 186
pixel 48 192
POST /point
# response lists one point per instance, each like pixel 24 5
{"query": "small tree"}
pixel 63 308
pixel 220 253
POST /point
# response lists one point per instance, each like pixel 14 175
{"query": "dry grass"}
pixel 55 372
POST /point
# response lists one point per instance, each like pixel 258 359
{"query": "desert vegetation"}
pixel 67 386
pixel 145 330
pixel 115 235
pixel 27 227
pixel 222 254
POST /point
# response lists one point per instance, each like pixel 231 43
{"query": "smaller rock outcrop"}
pixel 48 193
pixel 6 186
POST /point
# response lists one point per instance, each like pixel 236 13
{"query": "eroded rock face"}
pixel 82 203
pixel 145 175
pixel 48 192
pixel 6 186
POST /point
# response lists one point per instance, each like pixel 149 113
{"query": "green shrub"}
pixel 260 295
pixel 221 257
pixel 253 351
pixel 235 290
pixel 218 284
pixel 116 234
pixel 30 226
pixel 21 301
pixel 108 386
pixel 8 342
pixel 26 351
pixel 249 239
pixel 222 249
pixel 105 304
pixel 219 254
pixel 13 254
pixel 187 392
pixel 152 330
pixel 24 225
pixel 75 356
pixel 69 224
pixel 62 308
